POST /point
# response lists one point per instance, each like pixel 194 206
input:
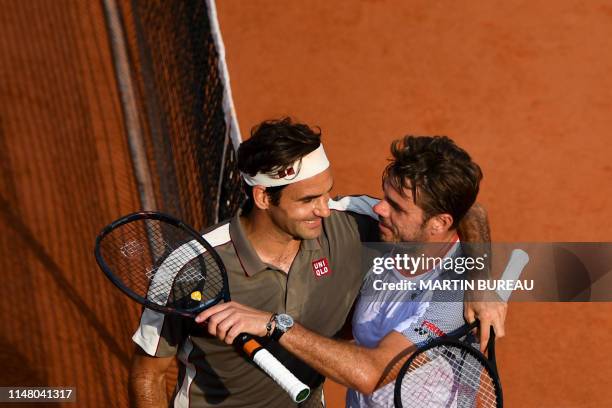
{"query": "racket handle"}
pixel 274 368
pixel 518 260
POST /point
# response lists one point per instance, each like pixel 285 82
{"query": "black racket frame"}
pixel 452 339
pixel 153 215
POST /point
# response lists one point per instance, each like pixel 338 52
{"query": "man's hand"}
pixel 489 312
pixel 228 320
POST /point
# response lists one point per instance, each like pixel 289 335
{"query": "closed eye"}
pixel 309 199
pixel 394 205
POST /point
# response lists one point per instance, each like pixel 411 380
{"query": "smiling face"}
pixel 302 206
pixel 400 219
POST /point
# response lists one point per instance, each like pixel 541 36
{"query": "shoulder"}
pixel 354 216
pixel 357 204
pixel 218 234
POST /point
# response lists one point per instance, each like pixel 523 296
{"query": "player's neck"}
pixel 440 244
pixel 447 237
pixel 273 246
pixel 433 246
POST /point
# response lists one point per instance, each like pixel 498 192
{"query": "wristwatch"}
pixel 283 322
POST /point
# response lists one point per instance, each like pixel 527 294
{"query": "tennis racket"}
pixel 167 266
pixel 449 371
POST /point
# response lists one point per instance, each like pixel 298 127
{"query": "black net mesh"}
pixel 176 68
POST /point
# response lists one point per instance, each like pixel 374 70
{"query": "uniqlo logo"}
pixel 321 268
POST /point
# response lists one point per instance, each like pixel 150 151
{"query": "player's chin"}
pixel 386 236
pixel 310 230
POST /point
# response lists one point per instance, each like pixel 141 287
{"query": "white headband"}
pixel 310 165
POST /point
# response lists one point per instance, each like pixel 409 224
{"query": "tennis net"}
pixel 170 57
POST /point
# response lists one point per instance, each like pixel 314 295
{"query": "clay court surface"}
pixel 525 87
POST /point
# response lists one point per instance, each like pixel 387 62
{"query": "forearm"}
pixel 147 381
pixel 147 389
pixel 475 235
pixel 484 305
pixel 344 362
pixel 357 367
pixel 474 226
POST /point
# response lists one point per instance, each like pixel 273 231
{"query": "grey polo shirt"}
pixel 319 291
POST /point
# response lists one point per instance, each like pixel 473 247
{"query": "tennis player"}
pixel 428 188
pixel 288 250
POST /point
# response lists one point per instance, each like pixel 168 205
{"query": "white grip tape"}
pixel 279 373
pixel 518 260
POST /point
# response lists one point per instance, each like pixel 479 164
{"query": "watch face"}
pixel 284 321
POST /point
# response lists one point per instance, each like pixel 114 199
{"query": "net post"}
pixel 128 104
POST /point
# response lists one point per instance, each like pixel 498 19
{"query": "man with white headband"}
pixel 291 250
pixel 308 166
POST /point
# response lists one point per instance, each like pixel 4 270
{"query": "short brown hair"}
pixel 275 145
pixel 443 178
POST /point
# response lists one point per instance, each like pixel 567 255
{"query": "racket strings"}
pixel 162 263
pixel 447 376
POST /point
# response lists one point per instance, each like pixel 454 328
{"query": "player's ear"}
pixel 261 199
pixel 441 223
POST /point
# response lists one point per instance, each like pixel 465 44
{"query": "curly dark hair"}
pixel 442 176
pixel 274 145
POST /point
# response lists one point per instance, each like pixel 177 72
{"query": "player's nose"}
pixel 381 209
pixel 322 208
